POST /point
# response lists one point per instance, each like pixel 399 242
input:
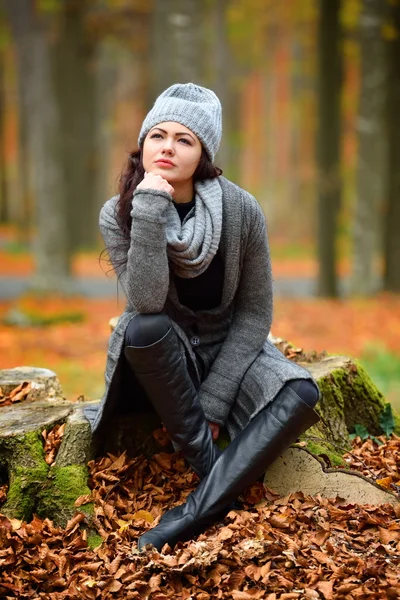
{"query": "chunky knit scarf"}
pixel 192 244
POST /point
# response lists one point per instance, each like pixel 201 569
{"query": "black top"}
pixel 204 291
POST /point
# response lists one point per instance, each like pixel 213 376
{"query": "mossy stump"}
pixel 348 397
pixel 33 485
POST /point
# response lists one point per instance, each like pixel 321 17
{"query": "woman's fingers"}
pixel 152 181
pixel 214 429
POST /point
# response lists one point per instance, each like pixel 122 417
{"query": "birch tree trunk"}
pixel 392 224
pixel 328 143
pixel 371 168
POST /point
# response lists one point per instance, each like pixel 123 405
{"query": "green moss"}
pixel 57 499
pixel 94 540
pixel 26 450
pixel 22 492
pixel 323 449
pixel 350 397
pixel 28 471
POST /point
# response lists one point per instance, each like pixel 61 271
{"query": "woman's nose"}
pixel 168 146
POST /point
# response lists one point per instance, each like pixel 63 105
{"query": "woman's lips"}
pixel 165 163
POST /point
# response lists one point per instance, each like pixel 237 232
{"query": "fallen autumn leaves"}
pixel 284 548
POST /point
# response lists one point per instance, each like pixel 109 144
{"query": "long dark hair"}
pixel 130 177
pixel 133 174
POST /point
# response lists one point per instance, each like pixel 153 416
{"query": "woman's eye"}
pixel 154 135
pixel 186 141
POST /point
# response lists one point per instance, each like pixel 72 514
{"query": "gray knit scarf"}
pixel 192 244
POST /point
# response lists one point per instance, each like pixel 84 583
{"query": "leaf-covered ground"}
pixel 70 335
pixel 282 548
pixel 73 342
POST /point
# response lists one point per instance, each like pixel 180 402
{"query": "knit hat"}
pixel 196 107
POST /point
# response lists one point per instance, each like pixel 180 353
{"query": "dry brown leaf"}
pixel 254 493
pixel 20 392
pixel 118 462
pixel 83 500
pixel 386 482
pixel 115 586
pixel 247 595
pixel 235 579
pixel 386 536
pixel 15 524
pixel 143 514
pixel 155 582
pixel 321 536
pixel 326 589
pixel 322 558
pixel 280 521
pixel 225 533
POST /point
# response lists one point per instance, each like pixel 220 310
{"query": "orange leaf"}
pixel 326 589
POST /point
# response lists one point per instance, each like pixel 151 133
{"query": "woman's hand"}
pixel 214 429
pixel 155 182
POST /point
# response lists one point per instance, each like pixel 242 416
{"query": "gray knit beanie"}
pixel 194 106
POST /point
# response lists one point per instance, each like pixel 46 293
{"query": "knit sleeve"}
pixel 141 263
pixel 250 325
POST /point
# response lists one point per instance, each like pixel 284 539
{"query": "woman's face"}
pixel 172 151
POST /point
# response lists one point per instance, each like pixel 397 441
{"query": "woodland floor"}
pixel 297 547
pixel 276 548
pixel 69 335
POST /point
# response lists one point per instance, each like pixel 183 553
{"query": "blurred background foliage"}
pixel 310 92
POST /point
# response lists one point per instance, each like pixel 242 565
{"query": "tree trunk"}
pixel 177 43
pixel 44 137
pixel 392 221
pixel 3 174
pixel 371 167
pixel 222 66
pixel 223 83
pixel 328 152
pixel 74 74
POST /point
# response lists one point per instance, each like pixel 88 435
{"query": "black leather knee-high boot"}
pixel 161 371
pixel 273 430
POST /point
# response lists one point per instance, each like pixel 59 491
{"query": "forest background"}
pixel 311 95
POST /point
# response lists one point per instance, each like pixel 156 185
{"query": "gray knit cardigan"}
pixel 243 370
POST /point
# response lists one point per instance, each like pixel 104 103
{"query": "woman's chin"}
pixel 164 173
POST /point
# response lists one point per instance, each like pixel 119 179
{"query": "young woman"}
pixel 190 250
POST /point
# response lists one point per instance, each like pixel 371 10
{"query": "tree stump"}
pixel 50 490
pixel 34 485
pixel 348 397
